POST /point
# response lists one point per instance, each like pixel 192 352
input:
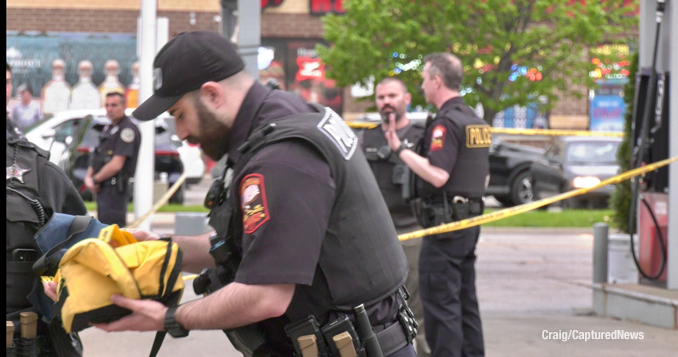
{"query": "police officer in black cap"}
pixel 113 163
pixel 393 177
pixel 36 189
pixel 311 235
pixel 452 166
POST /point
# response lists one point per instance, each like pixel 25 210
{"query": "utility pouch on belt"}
pixel 342 338
pixel 306 337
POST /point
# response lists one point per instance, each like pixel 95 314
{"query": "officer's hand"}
pixel 50 289
pixel 141 236
pixel 91 186
pixel 147 315
pixel 391 135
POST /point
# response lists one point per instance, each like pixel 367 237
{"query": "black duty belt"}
pixel 391 337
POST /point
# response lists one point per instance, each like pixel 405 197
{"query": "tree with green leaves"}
pixel 513 50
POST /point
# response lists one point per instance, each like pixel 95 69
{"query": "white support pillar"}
pixel 249 34
pixel 143 179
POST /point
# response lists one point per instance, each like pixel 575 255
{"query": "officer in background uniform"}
pixel 451 166
pixel 36 189
pixel 312 235
pixel 393 177
pixel 113 163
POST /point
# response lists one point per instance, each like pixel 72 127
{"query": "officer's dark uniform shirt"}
pixel 37 179
pixel 122 139
pixel 389 169
pixel 459 146
pixel 292 181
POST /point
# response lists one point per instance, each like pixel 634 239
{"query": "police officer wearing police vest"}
pixel 393 176
pixel 451 166
pixel 36 189
pixel 302 234
pixel 113 163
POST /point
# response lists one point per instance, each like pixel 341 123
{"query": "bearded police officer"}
pixel 393 176
pixel 114 162
pixel 302 234
pixel 451 165
pixel 36 189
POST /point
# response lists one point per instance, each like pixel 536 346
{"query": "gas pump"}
pixel 649 203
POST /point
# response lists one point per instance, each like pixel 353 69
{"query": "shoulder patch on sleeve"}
pixel 127 135
pixel 478 136
pixel 438 137
pixel 253 202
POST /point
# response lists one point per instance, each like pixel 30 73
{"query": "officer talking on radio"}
pixel 305 259
pixel 451 164
pixel 393 177
pixel 113 163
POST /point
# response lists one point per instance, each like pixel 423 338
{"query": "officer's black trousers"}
pixel 112 206
pixel 448 291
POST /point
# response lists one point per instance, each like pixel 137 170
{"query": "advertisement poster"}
pixel 607 107
pixel 32 56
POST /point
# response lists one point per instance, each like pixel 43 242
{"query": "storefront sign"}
pixel 310 68
pixel 322 7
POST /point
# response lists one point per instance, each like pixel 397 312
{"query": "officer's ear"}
pixel 212 93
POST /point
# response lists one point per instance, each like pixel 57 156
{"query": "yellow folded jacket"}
pixel 92 271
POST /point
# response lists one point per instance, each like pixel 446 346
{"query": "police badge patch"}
pixel 127 135
pixel 253 202
pixel 438 137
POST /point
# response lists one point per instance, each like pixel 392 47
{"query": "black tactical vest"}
pixel 25 216
pixel 391 173
pixel 467 178
pixel 361 260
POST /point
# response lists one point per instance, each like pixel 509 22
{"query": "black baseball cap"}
pixel 184 64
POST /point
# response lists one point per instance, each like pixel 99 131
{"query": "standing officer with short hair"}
pixel 302 234
pixel 114 162
pixel 392 99
pixel 452 167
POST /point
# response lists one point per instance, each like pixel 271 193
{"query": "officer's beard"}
pixel 215 135
pixel 386 113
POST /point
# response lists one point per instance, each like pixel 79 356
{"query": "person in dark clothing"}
pixel 392 99
pixel 36 189
pixel 114 162
pixel 307 248
pixel 451 164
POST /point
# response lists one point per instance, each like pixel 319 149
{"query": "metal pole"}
pixel 600 251
pixel 143 178
pixel 671 21
pixel 249 35
pixel 228 17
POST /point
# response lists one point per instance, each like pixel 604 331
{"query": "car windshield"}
pixel 591 153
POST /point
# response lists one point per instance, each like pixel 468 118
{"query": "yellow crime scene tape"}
pixel 543 132
pixel 509 212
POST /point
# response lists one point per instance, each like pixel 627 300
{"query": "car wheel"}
pixel 178 197
pixel 521 189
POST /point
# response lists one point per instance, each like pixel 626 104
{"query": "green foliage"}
pixel 569 218
pixel 620 201
pixel 488 36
